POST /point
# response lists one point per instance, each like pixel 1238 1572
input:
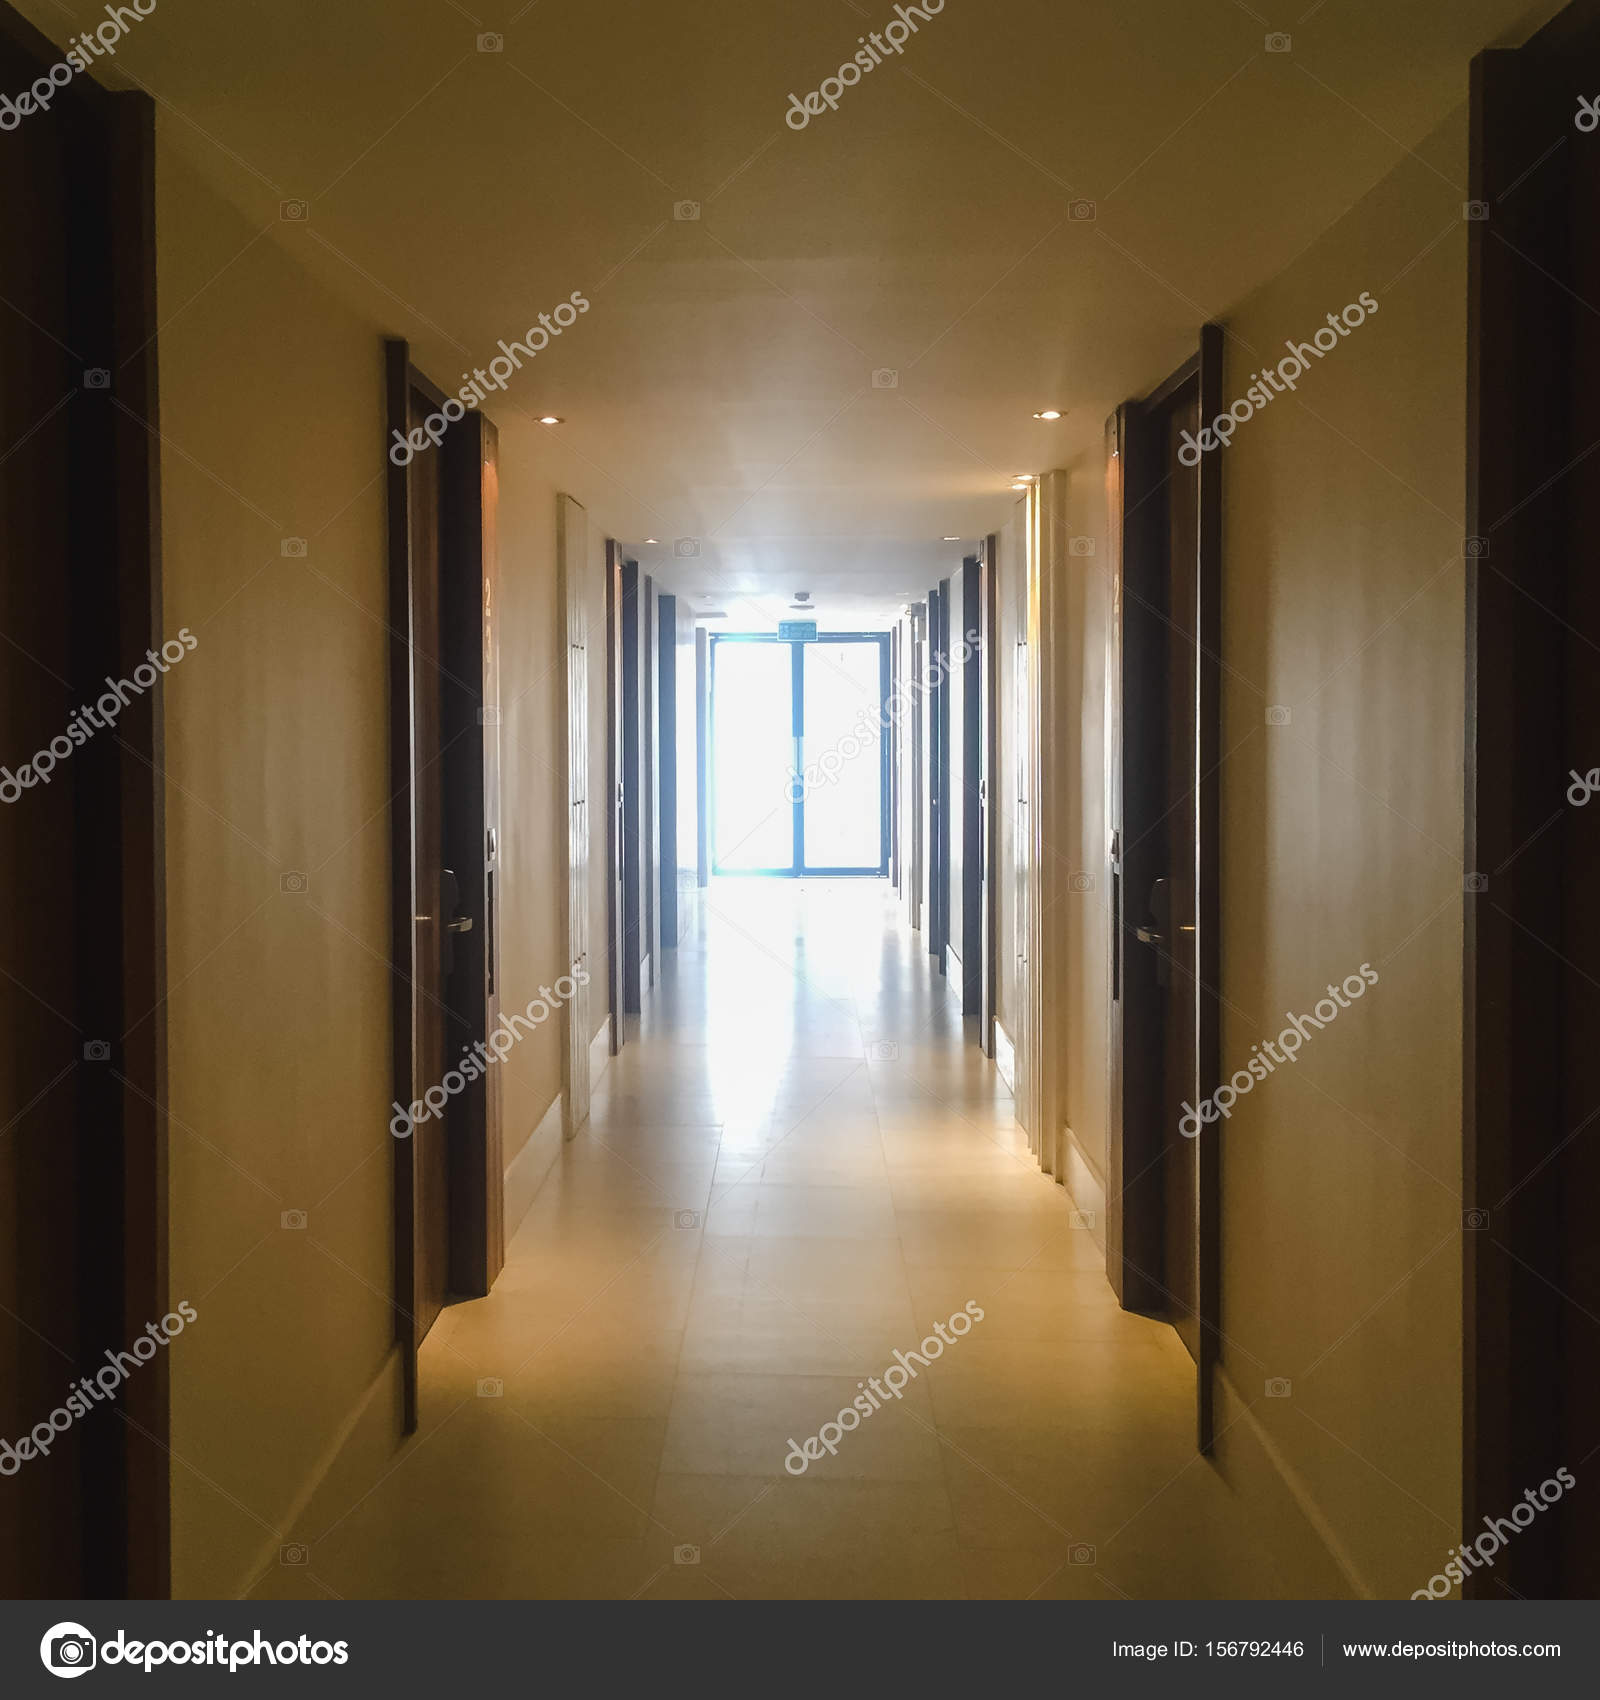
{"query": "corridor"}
pixel 800 1169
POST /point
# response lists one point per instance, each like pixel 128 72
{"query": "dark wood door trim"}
pixel 969 642
pixel 615 834
pixel 633 875
pixel 991 785
pixel 667 763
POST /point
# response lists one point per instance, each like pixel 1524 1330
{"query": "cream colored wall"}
pixel 277 763
pixel 1341 845
pixel 533 776
pixel 272 398
pixel 1076 923
pixel 1011 597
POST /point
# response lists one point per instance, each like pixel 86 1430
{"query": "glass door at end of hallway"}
pixel 799 759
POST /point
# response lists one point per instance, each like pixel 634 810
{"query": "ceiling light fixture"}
pixel 952 540
pixel 551 419
pixel 1049 413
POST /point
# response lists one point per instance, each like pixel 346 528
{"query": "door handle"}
pixel 1155 932
pixel 462 924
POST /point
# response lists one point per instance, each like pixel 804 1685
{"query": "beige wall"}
pixel 1076 922
pixel 272 397
pixel 533 776
pixel 1342 845
pixel 1011 596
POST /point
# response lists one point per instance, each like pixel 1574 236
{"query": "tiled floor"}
pixel 799 1169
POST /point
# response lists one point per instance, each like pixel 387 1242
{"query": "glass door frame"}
pixel 797 868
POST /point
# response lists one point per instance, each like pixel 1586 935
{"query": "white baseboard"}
pixel 599 1054
pixel 1005 1058
pixel 526 1172
pixel 1084 1184
pixel 1250 1458
pixel 360 1452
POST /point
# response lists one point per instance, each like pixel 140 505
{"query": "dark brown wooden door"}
pixel 83 1177
pixel 428 1007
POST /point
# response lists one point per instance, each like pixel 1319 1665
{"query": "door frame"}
pixel 572 568
pixel 615 831
pixel 939 771
pixel 667 766
pixel 974 971
pixel 797 647
pixel 1135 1206
pixel 469 789
pixel 989 697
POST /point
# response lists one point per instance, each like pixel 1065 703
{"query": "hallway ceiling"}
pixel 721 387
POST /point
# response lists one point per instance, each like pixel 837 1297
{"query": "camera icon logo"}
pixel 1081 1219
pixel 68 1649
pixel 1475 212
pixel 1082 882
pixel 686 1554
pixel 294 212
pixel 1475 548
pixel 686 1219
pixel 1279 714
pixel 1278 42
pixel 885 1050
pixel 489 714
pixel 885 378
pixel 489 42
pixel 1475 882
pixel 294 1553
pixel 1082 211
pixel 97 378
pixel 1475 1219
pixel 491 1387
pixel 293 1218
pixel 294 548
pixel 293 883
pixel 686 212
pixel 1082 546
pixel 1080 1552
pixel 684 547
pixel 1278 1388
pixel 96 1050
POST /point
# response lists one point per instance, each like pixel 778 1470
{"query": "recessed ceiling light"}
pixel 1021 484
pixel 551 419
pixel 952 540
pixel 1049 413
pixel 1023 477
pixel 650 540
